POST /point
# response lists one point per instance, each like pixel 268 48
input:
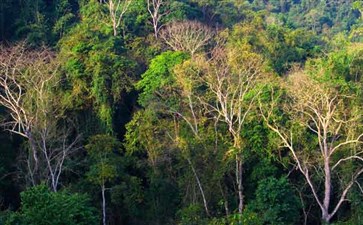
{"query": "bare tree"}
pixel 117 9
pixel 230 75
pixel 188 36
pixel 157 10
pixel 55 147
pixel 27 83
pixel 322 110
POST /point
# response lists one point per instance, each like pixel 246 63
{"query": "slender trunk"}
pixel 33 149
pixel 103 189
pixel 225 200
pixel 239 178
pixel 327 191
pixel 50 169
pixel 200 187
pixel 156 30
pixel 114 25
pixel 240 187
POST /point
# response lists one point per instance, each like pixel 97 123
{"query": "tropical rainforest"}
pixel 181 112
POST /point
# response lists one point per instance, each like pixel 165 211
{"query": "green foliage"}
pixel 192 215
pixel 98 72
pixel 282 47
pixel 159 74
pixel 276 202
pixel 102 149
pixel 65 17
pixel 32 22
pixel 287 47
pixel 355 215
pixel 319 16
pixel 135 20
pixel 340 66
pixel 129 195
pixel 166 144
pixel 44 22
pixel 40 206
pixel 248 217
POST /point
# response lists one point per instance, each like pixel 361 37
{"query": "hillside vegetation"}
pixel 187 112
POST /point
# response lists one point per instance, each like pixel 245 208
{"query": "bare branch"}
pixel 321 109
pixel 28 79
pixel 117 9
pixel 157 11
pixel 188 36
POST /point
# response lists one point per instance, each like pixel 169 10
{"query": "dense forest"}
pixel 187 112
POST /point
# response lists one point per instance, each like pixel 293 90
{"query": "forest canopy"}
pixel 187 112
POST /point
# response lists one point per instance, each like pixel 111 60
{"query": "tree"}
pixel 230 79
pixel 95 65
pixel 273 204
pixel 117 9
pixel 157 78
pixel 65 17
pixel 101 149
pixel 325 114
pixel 28 81
pixel 157 10
pixel 188 36
pixel 40 206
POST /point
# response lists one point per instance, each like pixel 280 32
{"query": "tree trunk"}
pixel 225 200
pixel 327 192
pixel 33 149
pixel 325 218
pixel 200 187
pixel 103 189
pixel 156 30
pixel 239 183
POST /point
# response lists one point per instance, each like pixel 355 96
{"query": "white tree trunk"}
pixel 103 190
pixel 200 187
pixel 239 177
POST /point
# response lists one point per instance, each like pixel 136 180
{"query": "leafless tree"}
pixel 188 36
pixel 55 147
pixel 27 83
pixel 157 10
pixel 117 9
pixel 230 75
pixel 322 110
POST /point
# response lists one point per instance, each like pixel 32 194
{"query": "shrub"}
pixel 40 206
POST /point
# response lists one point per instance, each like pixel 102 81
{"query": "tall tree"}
pixel 28 83
pixel 331 117
pixel 231 83
pixel 101 149
pixel 95 64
